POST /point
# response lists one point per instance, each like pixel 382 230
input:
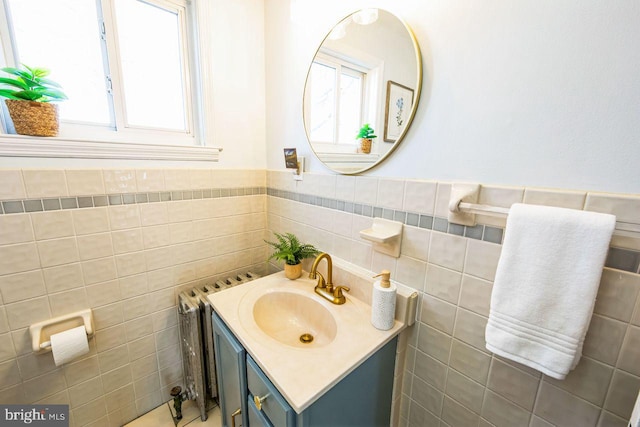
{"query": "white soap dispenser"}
pixel 383 302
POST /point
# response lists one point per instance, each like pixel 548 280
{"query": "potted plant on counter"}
pixel 366 135
pixel 29 100
pixel 289 249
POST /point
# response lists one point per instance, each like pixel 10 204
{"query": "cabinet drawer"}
pixel 256 418
pixel 274 406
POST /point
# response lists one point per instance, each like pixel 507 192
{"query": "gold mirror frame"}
pixel 381 127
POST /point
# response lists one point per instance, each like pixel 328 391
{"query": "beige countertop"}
pixel 302 373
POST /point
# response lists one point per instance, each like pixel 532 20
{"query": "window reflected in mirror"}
pixel 336 102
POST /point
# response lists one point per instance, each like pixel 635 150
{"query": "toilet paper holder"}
pixel 41 332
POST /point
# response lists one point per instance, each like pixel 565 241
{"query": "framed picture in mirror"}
pixel 397 110
pixel 291 158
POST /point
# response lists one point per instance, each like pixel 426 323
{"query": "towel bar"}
pixel 627 229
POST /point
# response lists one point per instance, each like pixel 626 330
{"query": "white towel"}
pixel 546 285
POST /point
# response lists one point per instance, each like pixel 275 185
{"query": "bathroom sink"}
pixel 269 315
pixel 294 319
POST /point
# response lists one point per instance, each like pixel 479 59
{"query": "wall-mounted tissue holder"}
pixel 41 332
pixel 386 236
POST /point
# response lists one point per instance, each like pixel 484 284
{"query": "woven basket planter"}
pixel 34 118
pixel 365 145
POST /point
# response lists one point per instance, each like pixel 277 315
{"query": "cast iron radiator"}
pixel 196 338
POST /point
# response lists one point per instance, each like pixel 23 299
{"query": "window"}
pixel 337 100
pixel 124 64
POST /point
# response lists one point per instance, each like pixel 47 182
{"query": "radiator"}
pixel 196 332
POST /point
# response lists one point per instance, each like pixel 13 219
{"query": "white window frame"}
pixel 125 141
pixel 373 69
pixel 342 67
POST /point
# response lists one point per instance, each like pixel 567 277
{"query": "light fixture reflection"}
pixel 340 30
pixel 365 16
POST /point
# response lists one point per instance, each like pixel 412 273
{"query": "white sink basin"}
pixel 294 319
pixel 268 316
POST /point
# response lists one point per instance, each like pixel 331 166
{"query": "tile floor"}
pixel 162 416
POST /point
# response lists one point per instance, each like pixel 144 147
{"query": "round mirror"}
pixel 362 90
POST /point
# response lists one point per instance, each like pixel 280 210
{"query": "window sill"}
pixel 350 158
pixel 78 148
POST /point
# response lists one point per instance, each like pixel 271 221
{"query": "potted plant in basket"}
pixel 366 135
pixel 289 249
pixel 29 100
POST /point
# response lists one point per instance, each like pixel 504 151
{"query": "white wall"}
pixel 239 84
pixel 536 93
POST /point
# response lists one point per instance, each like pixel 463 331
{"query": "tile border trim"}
pixel 618 258
pixel 16 206
pixel 482 232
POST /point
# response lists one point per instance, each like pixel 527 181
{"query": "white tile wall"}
pixel 16 229
pixel 45 183
pixel 127 263
pixel 119 181
pixel 85 182
pixel 12 185
pixel 449 377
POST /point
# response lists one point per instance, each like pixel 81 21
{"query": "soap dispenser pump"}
pixel 383 302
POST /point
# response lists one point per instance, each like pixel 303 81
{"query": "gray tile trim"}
pixel 51 204
pixel 129 199
pixel 426 221
pixel 89 201
pixel 85 202
pixel 440 224
pixel 33 205
pixel 457 229
pixel 69 202
pixel 493 234
pixel 12 206
pixel 622 259
pixel 474 232
pixel 99 201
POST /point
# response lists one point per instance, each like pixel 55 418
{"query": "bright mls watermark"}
pixel 34 415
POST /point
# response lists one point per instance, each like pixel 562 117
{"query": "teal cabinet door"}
pixel 361 399
pixel 232 375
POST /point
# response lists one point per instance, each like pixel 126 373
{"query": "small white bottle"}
pixel 383 302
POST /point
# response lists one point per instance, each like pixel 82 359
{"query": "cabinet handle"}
pixel 233 417
pixel 258 401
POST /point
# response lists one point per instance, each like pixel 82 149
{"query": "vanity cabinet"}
pixel 231 375
pixel 362 398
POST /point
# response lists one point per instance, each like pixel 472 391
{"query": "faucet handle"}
pixel 337 291
pixel 321 282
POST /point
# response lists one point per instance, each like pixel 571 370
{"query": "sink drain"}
pixel 306 338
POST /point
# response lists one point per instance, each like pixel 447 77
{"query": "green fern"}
pixel 289 249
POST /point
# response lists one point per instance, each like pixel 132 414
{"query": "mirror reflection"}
pixel 361 91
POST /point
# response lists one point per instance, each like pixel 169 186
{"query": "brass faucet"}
pixel 325 288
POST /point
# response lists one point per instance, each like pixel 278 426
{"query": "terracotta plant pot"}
pixel 34 118
pixel 292 272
